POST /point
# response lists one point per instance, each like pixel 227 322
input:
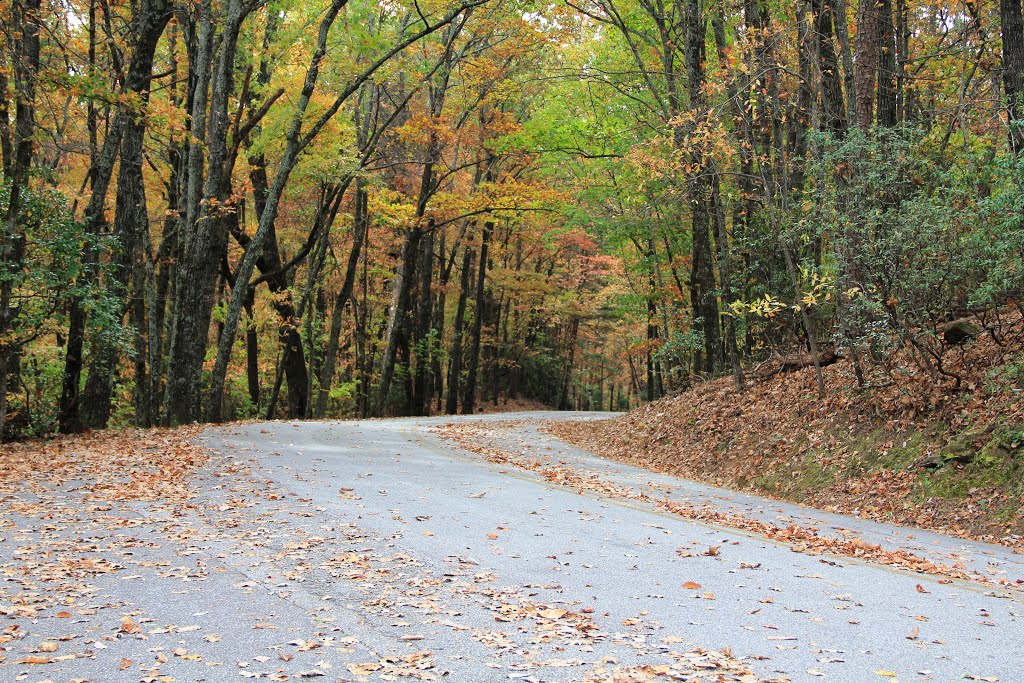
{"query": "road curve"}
pixel 376 550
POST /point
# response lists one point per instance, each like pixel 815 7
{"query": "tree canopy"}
pixel 225 209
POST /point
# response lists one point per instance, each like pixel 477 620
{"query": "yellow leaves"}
pixel 48 646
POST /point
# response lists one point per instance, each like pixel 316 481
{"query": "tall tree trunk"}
pixel 1013 70
pixel 473 363
pixel 25 19
pixel 455 365
pixel 396 316
pixel 296 141
pixel 361 223
pixel 702 279
pixel 423 381
pixel 842 31
pixel 131 220
pixel 152 18
pixel 868 44
pixel 201 245
pixel 887 95
pixel 834 118
pixel 252 357
pixel 573 335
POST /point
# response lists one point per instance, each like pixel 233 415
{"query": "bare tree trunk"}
pixel 200 248
pixel 887 94
pixel 12 246
pixel 469 397
pixel 702 280
pixel 868 42
pixel 131 221
pixel 831 81
pixel 455 365
pixel 1013 70
pixel 396 314
pixel 422 381
pixel 361 223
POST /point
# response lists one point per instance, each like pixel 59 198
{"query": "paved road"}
pixel 377 551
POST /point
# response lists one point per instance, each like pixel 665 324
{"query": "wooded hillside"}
pixel 224 209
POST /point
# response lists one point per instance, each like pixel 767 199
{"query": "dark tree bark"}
pixel 361 223
pixel 423 381
pixel 202 238
pixel 396 316
pixel 455 365
pixel 887 94
pixel 25 19
pixel 702 280
pixel 834 118
pixel 152 19
pixel 1013 70
pixel 867 54
pixel 473 363
pixel 252 358
pixel 131 221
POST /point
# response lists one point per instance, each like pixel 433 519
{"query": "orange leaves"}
pixel 128 465
pixel 128 626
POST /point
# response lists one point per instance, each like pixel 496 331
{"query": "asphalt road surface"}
pixel 376 550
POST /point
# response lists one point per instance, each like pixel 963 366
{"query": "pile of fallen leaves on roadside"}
pixel 77 482
pixel 777 434
pixel 697 665
pixel 480 438
pixel 140 465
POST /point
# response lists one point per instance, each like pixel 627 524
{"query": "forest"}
pixel 217 210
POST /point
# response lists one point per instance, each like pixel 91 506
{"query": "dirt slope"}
pixel 911 451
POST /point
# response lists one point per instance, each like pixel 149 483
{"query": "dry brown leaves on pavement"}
pixel 478 438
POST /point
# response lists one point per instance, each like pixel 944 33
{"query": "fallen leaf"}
pixel 553 613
